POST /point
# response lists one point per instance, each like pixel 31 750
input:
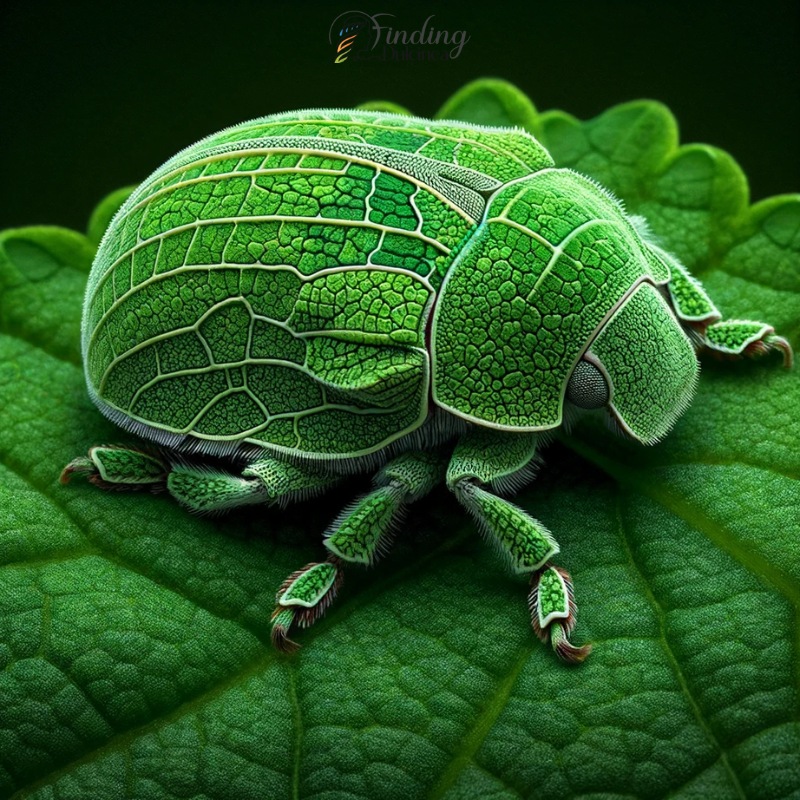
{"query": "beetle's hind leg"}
pixel 359 535
pixel 502 460
pixel 113 467
pixel 200 488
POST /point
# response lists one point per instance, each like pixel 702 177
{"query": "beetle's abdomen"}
pixel 271 284
pixel 228 300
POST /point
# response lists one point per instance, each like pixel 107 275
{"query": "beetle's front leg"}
pixel 738 338
pixel 725 338
pixel 504 462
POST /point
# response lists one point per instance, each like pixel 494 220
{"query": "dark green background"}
pixel 95 98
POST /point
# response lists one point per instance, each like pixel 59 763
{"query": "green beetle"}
pixel 321 292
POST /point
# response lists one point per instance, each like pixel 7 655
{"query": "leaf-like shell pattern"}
pixel 272 284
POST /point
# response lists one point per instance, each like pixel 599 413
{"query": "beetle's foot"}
pixel 282 620
pixel 738 338
pixel 303 598
pixel 564 649
pixel 553 612
pixel 111 467
pixel 770 343
pixel 83 465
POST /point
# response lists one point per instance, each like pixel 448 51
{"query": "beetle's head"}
pixel 641 367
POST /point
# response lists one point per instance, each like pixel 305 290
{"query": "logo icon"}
pixel 344 31
pixel 357 35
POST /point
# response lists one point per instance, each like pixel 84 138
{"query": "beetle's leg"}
pixel 359 535
pixel 739 338
pixel 503 460
pixel 268 480
pixel 111 467
pixel 689 299
pixel 199 488
pixel 726 338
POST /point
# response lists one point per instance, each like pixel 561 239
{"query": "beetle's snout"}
pixel 648 363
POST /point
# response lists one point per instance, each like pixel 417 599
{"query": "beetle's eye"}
pixel 587 388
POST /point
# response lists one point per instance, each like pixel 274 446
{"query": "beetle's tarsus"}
pixel 282 619
pixel 554 613
pixel 78 466
pixel 734 339
pixel 303 598
pixel 564 649
pixel 775 342
pixel 762 347
pixel 119 468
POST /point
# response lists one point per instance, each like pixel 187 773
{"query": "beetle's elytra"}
pixel 328 291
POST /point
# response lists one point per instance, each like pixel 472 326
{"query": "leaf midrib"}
pixel 670 655
pixel 485 720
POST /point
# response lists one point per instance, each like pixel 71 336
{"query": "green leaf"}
pixel 490 101
pixel 384 106
pixel 134 638
pixel 104 212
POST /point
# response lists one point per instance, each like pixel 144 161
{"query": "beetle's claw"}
pixel 115 467
pixel 773 342
pixel 78 466
pixel 564 649
pixel 282 619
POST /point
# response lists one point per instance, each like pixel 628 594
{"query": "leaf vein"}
pixel 297 727
pixel 42 346
pixel 121 742
pixel 715 531
pixel 670 655
pixel 484 722
pixel 97 549
pixel 736 462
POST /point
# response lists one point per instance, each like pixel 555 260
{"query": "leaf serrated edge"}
pixel 642 107
pixel 516 104
pixel 734 222
pixel 104 212
pixel 74 243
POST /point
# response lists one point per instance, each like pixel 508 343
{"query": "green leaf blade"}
pixel 42 270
